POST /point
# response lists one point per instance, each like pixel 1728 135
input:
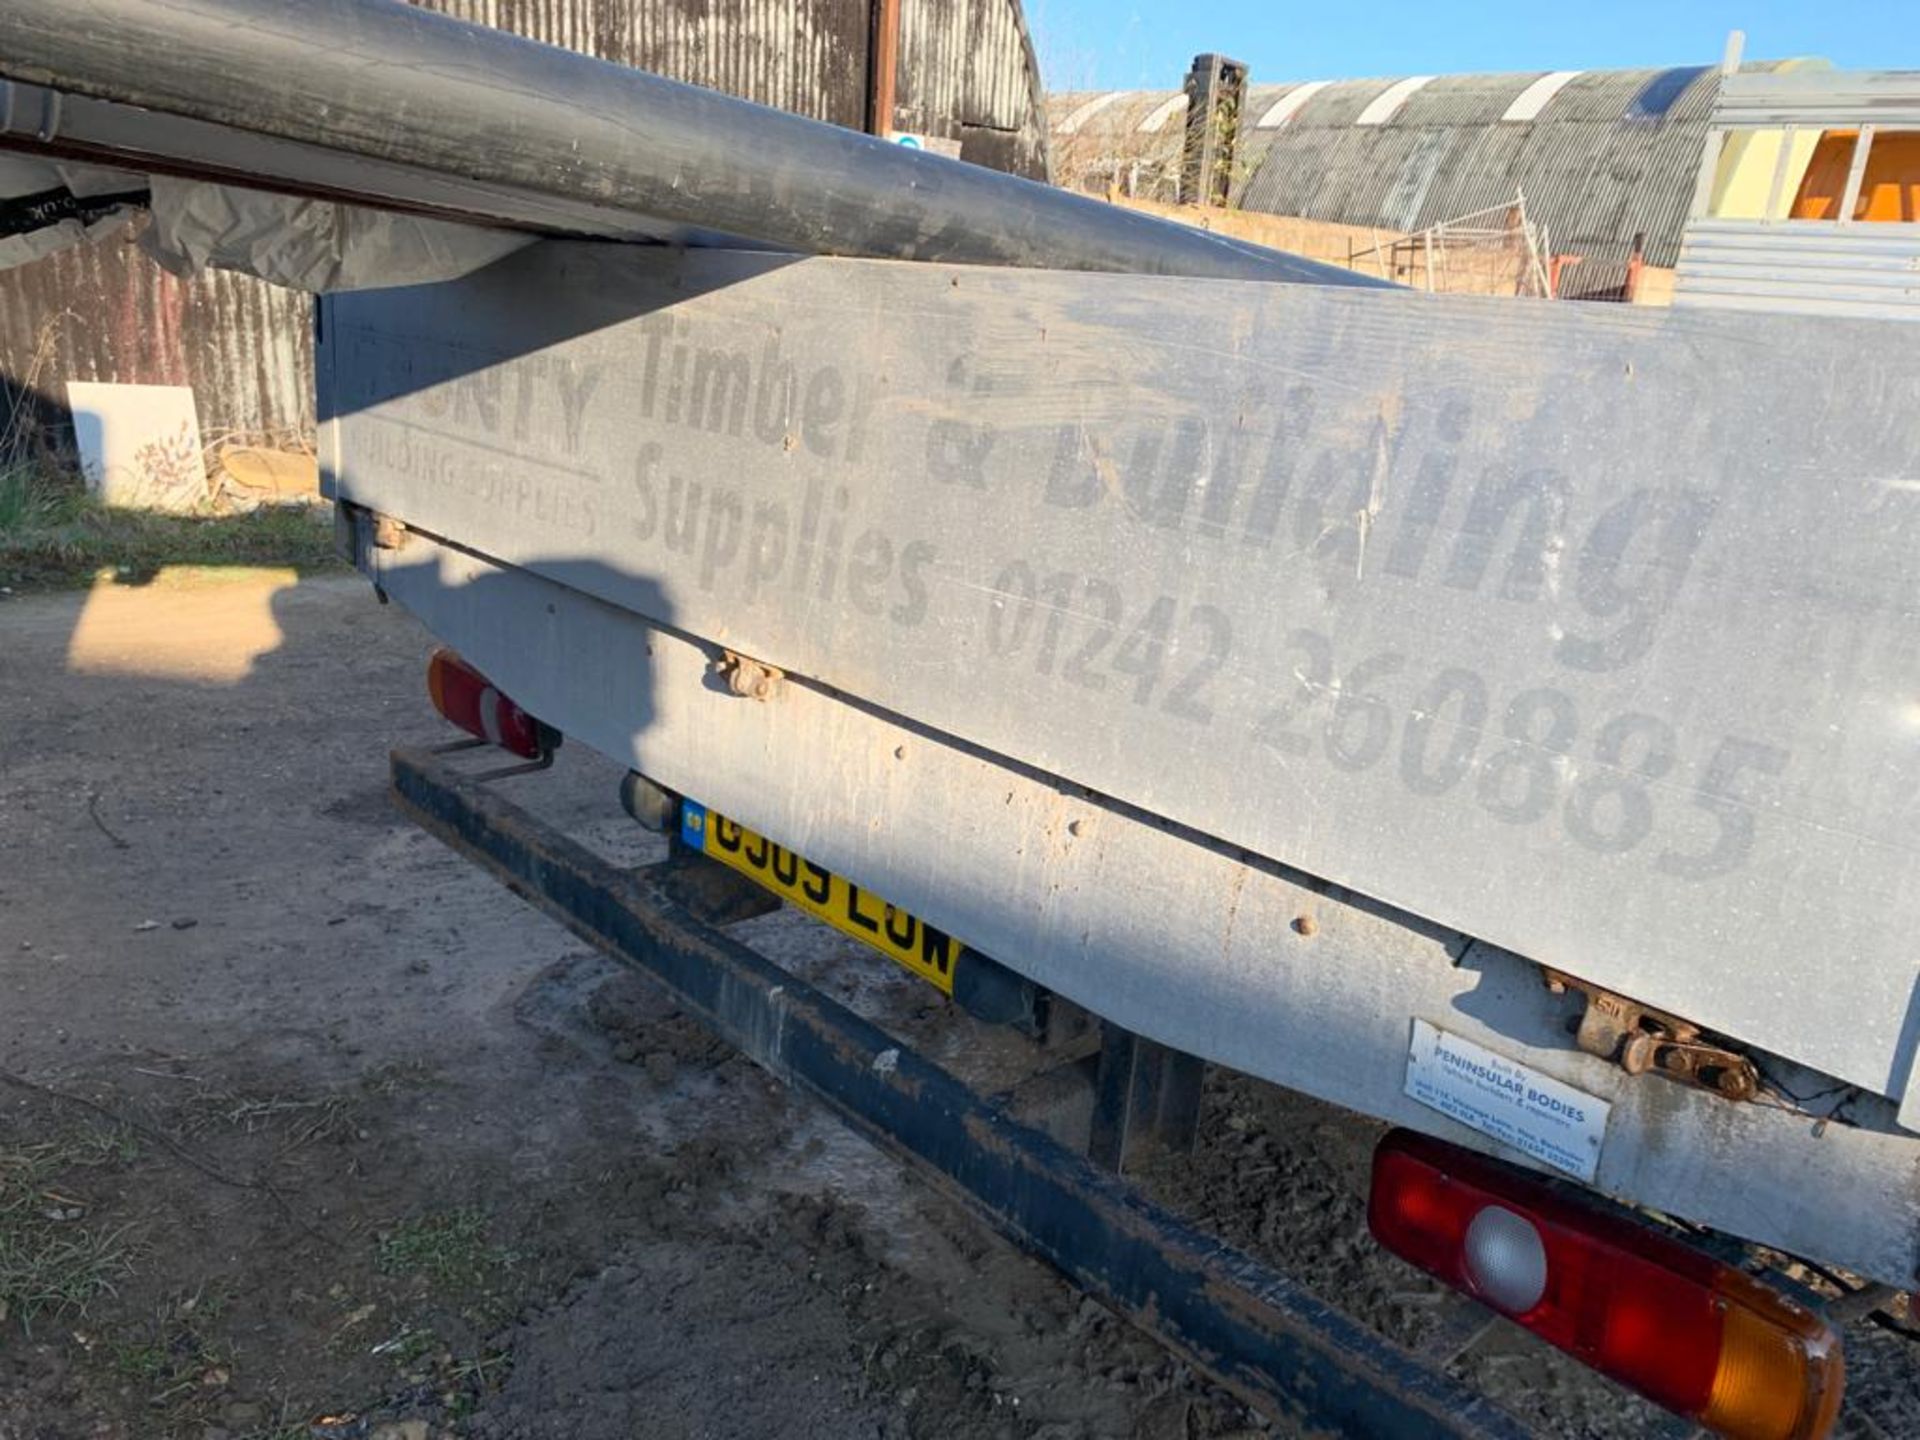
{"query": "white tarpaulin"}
pixel 314 245
pixel 46 205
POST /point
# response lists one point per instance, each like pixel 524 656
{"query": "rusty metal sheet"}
pixel 105 312
pixel 1586 633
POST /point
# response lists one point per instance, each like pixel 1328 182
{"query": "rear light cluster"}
pixel 466 698
pixel 1699 1337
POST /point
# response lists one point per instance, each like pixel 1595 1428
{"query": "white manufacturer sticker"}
pixel 1534 1113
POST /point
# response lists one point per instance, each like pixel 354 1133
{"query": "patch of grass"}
pixel 48 1272
pixel 472 1379
pixel 34 496
pixel 448 1249
pixel 54 1259
pixel 141 1363
pixel 53 534
pixel 173 1359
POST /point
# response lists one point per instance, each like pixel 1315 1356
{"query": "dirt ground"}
pixel 309 1129
pixel 332 1136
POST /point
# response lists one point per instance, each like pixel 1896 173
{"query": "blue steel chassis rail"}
pixel 1251 1328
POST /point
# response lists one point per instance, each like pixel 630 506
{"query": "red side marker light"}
pixel 466 698
pixel 1701 1338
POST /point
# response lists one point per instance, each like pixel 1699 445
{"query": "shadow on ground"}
pixel 311 1129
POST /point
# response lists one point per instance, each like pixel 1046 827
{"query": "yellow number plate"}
pixel 901 937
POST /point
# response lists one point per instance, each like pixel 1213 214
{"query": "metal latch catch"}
pixel 1645 1041
pixel 751 679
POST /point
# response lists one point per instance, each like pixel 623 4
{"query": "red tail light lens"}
pixel 466 698
pixel 1701 1338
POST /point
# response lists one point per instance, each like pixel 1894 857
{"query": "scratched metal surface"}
pixel 1587 633
pixel 1174 939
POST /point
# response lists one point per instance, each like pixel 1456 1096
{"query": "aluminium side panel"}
pixel 1837 99
pixel 1588 633
pixel 1177 939
pixel 1853 271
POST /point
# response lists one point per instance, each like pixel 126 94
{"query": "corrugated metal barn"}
pixel 1601 156
pixel 966 74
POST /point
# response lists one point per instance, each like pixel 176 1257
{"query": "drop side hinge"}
pixel 1645 1041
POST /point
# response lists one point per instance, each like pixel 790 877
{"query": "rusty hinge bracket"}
pixel 753 679
pixel 1644 1041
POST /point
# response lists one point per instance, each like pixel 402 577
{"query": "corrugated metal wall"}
pixel 1858 271
pixel 807 56
pixel 968 73
pixel 104 312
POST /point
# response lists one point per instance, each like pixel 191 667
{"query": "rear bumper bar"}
pixel 1253 1329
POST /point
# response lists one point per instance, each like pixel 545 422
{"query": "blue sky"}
pixel 1146 44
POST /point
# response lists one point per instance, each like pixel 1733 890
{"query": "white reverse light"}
pixel 1506 1260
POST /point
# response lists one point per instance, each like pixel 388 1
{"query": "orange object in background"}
pixel 1890 190
pixel 1889 187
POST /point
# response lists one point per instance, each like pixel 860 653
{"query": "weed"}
pixel 52 533
pixel 488 1369
pixel 472 1379
pixel 44 1270
pixel 171 1359
pixel 25 1169
pixel 141 1363
pixel 52 1260
pixel 449 1249
pixel 35 496
pixel 202 1307
pixel 302 1119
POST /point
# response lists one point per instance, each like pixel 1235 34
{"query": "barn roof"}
pixel 1601 155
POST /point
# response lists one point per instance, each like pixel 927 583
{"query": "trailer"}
pixel 1494 718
